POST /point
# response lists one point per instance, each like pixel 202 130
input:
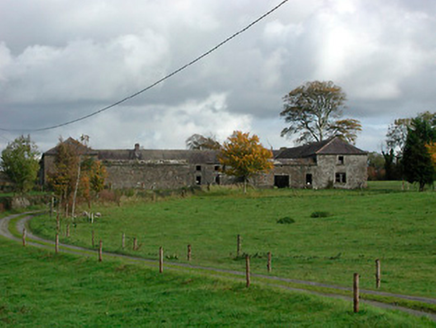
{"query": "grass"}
pixel 40 289
pixel 380 223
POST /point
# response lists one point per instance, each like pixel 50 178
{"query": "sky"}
pixel 61 60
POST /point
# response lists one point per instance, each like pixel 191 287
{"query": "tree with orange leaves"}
pixel 431 148
pixel 243 156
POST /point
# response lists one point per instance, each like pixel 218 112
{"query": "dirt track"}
pixel 274 281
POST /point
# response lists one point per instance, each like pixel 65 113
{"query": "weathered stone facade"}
pixel 332 163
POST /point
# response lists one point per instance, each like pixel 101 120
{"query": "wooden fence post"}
pixel 377 274
pixel 160 259
pixel 135 244
pixel 268 265
pixel 24 236
pixel 356 293
pixel 247 270
pixel 238 246
pixel 100 252
pixel 92 239
pixel 68 230
pixel 189 252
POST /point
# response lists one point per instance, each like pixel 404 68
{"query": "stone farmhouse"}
pixel 329 163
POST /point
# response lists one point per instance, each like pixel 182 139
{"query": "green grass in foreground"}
pixel 40 289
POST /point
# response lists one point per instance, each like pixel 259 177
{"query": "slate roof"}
pixel 190 156
pixel 331 146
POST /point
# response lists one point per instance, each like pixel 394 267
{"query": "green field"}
pixel 40 289
pixel 399 228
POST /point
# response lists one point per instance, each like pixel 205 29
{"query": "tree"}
pixel 397 135
pixel 64 177
pixel 243 156
pixel 314 111
pixel 376 170
pixel 417 163
pixel 20 163
pixel 75 172
pixel 197 141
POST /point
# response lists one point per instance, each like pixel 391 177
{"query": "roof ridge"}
pixel 328 143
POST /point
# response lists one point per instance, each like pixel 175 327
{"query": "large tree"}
pixel 417 163
pixel 20 163
pixel 243 156
pixel 314 110
pixel 197 141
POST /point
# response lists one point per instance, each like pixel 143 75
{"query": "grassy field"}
pixel 399 228
pixel 40 289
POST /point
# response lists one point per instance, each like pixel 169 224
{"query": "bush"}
pixel 319 214
pixel 286 220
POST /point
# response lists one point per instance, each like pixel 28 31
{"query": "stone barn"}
pixel 330 163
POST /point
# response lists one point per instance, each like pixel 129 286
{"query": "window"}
pixel 198 167
pixel 217 167
pixel 198 180
pixel 340 178
pixel 308 180
pixel 340 160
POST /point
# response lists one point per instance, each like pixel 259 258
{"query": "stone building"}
pixel 330 163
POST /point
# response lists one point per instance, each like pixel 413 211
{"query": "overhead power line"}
pixel 158 81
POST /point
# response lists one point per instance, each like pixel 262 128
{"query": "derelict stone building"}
pixel 332 162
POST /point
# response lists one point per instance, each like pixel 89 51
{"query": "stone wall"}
pixel 160 174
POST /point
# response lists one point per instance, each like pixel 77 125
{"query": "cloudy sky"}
pixel 61 60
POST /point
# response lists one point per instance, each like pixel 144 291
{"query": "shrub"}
pixel 319 214
pixel 286 220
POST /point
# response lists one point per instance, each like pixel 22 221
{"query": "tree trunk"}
pixel 73 207
pixel 421 186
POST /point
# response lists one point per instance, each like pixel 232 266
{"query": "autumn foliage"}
pixel 243 156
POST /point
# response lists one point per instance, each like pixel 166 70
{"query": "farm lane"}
pixel 4 231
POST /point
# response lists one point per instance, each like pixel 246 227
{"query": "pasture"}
pixel 354 229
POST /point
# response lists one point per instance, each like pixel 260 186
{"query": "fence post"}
pixel 57 243
pixel 68 230
pixel 268 265
pixel 123 240
pixel 238 246
pixel 189 252
pixel 92 239
pixel 135 244
pixel 100 252
pixel 24 236
pixel 356 293
pixel 377 274
pixel 247 269
pixel 160 259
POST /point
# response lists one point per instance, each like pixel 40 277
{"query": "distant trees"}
pixel 376 167
pixel 243 156
pixel 197 141
pixel 314 111
pixel 19 160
